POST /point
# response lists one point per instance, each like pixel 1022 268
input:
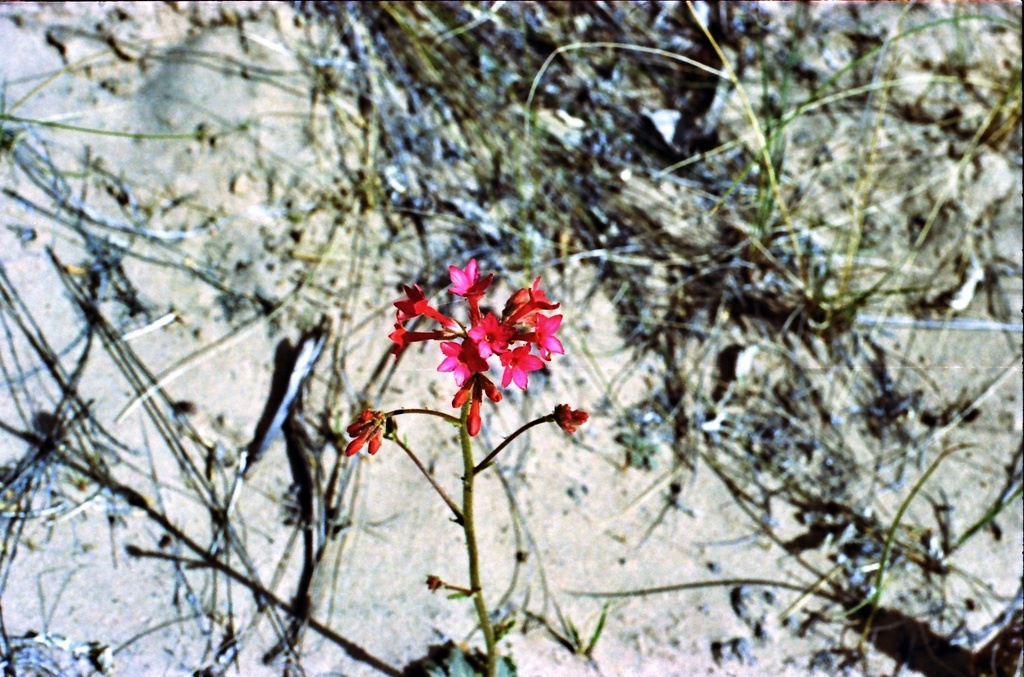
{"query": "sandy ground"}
pixel 225 209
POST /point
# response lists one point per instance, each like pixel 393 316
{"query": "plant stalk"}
pixel 469 526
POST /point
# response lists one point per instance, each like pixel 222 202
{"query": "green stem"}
pixel 469 526
pixel 876 598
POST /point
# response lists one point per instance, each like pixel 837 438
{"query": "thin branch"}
pixel 490 457
pixel 429 412
pixel 437 487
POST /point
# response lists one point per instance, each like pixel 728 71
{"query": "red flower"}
pixel 467 283
pixel 518 299
pixel 517 363
pixel 539 298
pixel 490 389
pixel 473 420
pixel 491 336
pixel 567 419
pixel 463 359
pixel 544 336
pixel 368 427
pixel 478 385
pixel 525 302
pixel 403 338
pixel 415 304
pixel 468 347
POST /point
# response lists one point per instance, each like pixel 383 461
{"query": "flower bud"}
pixel 567 419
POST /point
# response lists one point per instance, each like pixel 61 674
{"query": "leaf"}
pixel 458 666
pixel 502 629
pixel 507 667
pixel 574 634
pixel 434 671
pixel 597 632
pixel 641 453
pixel 454 664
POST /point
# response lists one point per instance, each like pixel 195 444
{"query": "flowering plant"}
pixel 521 340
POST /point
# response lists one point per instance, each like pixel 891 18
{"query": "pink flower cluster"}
pixel 467 349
